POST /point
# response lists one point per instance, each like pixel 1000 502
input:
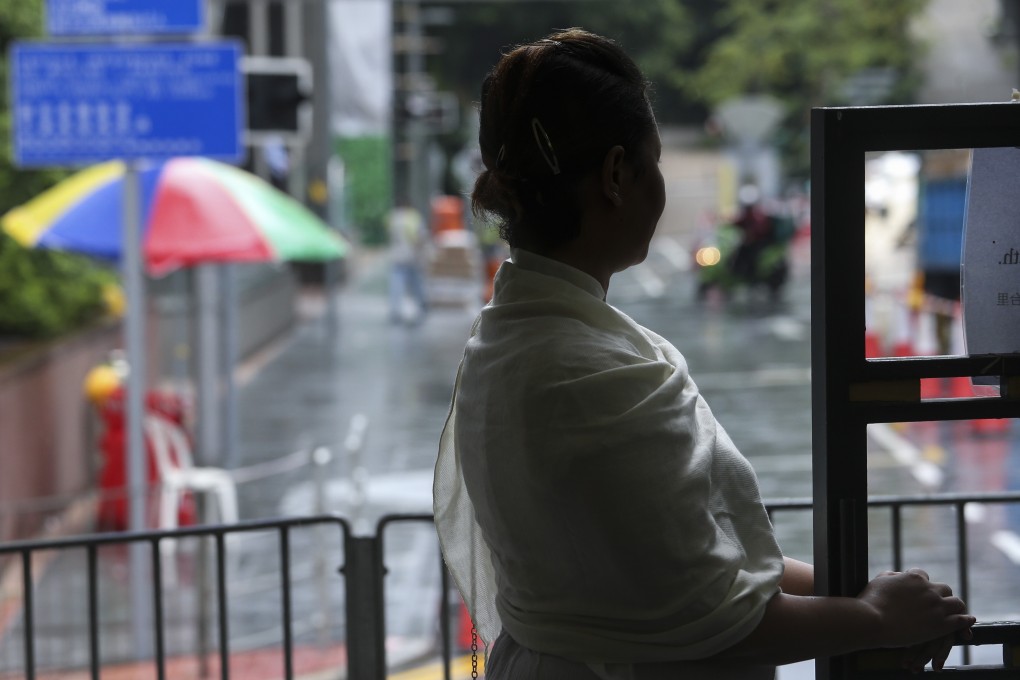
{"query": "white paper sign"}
pixel 991 253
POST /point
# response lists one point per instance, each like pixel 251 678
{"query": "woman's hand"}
pixel 905 610
pixel 913 611
pixel 937 651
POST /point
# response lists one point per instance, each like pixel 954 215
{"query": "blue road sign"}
pixel 124 17
pixel 80 103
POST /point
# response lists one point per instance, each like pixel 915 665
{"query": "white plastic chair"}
pixel 178 475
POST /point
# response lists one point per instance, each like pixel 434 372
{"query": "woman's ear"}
pixel 612 175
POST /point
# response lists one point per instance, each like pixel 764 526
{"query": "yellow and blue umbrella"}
pixel 194 211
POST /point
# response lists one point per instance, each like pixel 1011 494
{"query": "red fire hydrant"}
pixel 112 514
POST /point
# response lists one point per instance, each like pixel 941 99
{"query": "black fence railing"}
pixel 359 581
pixel 21 555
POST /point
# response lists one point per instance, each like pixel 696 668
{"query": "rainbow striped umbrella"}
pixel 195 211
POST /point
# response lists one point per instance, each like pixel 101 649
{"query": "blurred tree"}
pixel 810 53
pixel 18 20
pixel 42 293
pixel 665 37
pixel 699 53
pixel 369 188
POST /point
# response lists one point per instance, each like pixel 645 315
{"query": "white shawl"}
pixel 585 497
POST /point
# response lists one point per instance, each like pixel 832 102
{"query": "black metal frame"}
pixel 850 391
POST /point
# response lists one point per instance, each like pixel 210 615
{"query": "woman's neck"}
pixel 574 254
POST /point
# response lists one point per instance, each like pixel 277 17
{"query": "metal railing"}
pixel 23 553
pixel 1002 633
pixel 363 574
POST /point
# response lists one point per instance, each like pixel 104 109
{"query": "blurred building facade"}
pixel 973 53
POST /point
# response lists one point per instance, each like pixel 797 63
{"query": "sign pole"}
pixel 134 339
pixel 134 402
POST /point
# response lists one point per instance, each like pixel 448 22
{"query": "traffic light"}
pixel 279 98
pixel 273 102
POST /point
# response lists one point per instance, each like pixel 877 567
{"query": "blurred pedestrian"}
pixel 408 236
pixel 597 519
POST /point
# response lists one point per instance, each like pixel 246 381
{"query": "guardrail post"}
pixel 366 628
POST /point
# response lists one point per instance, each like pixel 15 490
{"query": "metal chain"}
pixel 474 653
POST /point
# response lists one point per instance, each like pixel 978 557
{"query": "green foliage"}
pixel 368 190
pixel 698 53
pixel 661 35
pixel 17 185
pixel 666 38
pixel 804 52
pixel 45 293
pixel 42 293
pixel 18 20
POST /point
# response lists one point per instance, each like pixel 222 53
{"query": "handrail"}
pixel 108 538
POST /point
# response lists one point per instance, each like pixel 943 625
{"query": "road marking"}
pixel 904 452
pixel 1009 543
pixel 772 376
pixel 247 370
pixel 781 463
pixel 672 251
pixel 787 328
pixel 650 282
pixel 975 513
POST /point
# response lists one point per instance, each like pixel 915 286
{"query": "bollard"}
pixel 321 456
pixel 366 630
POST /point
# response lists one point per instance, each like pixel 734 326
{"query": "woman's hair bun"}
pixel 550 110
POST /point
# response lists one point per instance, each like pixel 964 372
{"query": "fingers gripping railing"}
pixel 886 663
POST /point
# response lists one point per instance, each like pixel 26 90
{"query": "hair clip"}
pixel 501 156
pixel 545 146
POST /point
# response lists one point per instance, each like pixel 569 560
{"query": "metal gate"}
pixel 850 391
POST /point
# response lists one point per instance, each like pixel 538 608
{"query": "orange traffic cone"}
pixel 872 345
pixel 932 388
pixel 990 426
pixel 872 341
pixel 906 330
pixel 963 387
pixel 960 388
pixel 925 344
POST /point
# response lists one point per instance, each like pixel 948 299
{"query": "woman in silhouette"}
pixel 597 519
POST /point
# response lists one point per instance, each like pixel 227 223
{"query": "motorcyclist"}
pixel 757 260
